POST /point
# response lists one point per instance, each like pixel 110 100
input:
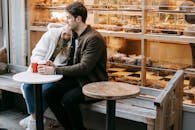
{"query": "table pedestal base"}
pixel 110 116
pixel 39 106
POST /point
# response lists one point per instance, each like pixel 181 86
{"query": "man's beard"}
pixel 75 27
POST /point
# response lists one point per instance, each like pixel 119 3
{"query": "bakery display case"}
pixel 169 37
pixel 147 40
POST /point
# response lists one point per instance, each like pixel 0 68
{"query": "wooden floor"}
pixel 9 120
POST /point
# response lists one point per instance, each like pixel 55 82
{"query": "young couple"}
pixel 76 51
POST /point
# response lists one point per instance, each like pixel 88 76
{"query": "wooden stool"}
pixel 110 91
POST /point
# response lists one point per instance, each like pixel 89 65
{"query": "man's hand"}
pixel 46 70
pixel 50 63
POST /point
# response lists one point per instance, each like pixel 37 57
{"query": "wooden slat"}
pixel 179 106
pixel 126 111
pixel 139 102
pixel 150 91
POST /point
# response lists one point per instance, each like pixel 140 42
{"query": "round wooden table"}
pixel 110 91
pixel 37 80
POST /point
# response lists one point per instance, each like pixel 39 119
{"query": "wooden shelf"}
pixel 120 12
pixel 172 11
pixel 170 38
pixel 43 6
pixel 158 37
pixel 38 28
pixel 128 8
pixel 156 9
pixel 103 32
pixel 124 65
pixel 121 34
pixel 116 9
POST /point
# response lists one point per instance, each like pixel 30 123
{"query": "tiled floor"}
pixel 9 120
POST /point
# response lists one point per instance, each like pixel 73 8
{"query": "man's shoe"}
pixel 24 122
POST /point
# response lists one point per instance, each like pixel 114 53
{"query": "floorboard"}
pixel 9 120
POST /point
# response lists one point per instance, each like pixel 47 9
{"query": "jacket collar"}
pixel 87 29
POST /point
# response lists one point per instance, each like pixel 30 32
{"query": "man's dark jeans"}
pixel 63 99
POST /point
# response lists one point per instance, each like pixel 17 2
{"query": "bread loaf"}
pixel 167 5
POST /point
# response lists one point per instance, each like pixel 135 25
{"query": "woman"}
pixel 53 46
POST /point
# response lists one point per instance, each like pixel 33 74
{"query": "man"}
pixel 86 64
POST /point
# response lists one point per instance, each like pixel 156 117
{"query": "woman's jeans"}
pixel 30 97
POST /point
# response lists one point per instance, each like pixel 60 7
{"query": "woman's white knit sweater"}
pixel 46 45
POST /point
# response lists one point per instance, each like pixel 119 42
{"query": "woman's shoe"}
pixel 31 124
pixel 24 122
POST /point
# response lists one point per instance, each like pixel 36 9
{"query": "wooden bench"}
pixel 158 109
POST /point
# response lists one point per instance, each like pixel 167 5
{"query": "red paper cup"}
pixel 34 67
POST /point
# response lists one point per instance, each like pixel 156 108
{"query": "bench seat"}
pixel 8 84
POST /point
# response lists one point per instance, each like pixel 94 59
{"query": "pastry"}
pixel 132 28
pixel 102 2
pixel 190 91
pixel 189 31
pixel 89 2
pixel 190 69
pixel 150 76
pixel 119 74
pixel 102 19
pixel 189 102
pixel 132 78
pixel 129 60
pixel 116 69
pixel 147 96
pixel 112 1
pixel 168 76
pixel 186 82
pixel 98 26
pixel 159 84
pixel 163 5
pixel 116 28
pixel 167 5
pixel 187 6
pixel 172 5
pixel 118 57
